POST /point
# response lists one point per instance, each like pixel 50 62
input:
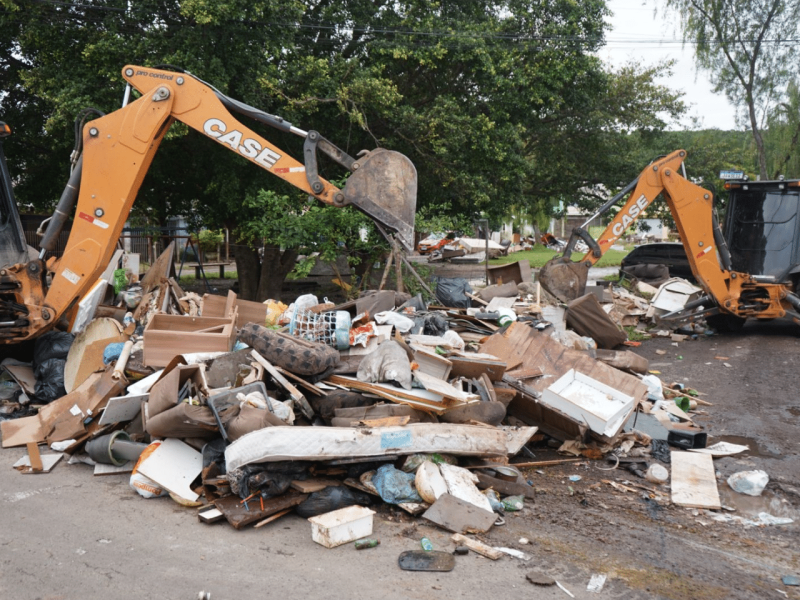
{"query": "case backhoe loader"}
pixel 752 271
pixel 118 149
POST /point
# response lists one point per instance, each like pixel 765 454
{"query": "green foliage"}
pixel 748 49
pixel 210 239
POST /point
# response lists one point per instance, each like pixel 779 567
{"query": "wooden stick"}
pixel 34 457
pixel 398 269
pixel 477 546
pixel 416 275
pixel 272 518
pixel 386 270
pixel 547 463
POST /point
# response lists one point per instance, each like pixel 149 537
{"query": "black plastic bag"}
pixel 452 292
pixel 53 344
pixel 331 498
pixel 268 479
pixel 50 380
pixel 435 324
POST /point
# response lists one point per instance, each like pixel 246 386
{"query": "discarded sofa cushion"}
pixel 299 356
pixel 587 317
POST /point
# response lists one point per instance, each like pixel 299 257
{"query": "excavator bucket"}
pixel 563 278
pixel 385 187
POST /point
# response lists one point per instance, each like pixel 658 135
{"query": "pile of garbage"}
pixel 250 411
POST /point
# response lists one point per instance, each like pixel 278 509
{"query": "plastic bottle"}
pixel 426 544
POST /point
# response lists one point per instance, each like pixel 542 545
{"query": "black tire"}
pixel 726 322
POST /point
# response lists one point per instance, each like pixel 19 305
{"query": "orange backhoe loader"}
pixel 751 271
pixel 118 149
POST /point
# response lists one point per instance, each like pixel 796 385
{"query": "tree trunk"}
pixel 248 268
pixel 275 266
pixel 762 153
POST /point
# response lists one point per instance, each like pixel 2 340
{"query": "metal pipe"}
pixel 127 96
pixel 688 306
pixel 65 205
pixel 722 245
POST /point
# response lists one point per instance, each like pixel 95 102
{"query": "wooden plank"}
pixel 431 363
pixel 498 302
pixel 444 389
pixel 421 399
pixel 476 546
pixel 511 345
pixel 298 398
pixel 274 517
pixel 473 368
pixel 240 513
pixel 309 486
pixel 301 382
pixel 34 457
pixel 694 483
pixel 46 461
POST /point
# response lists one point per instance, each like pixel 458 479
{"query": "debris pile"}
pixel 249 411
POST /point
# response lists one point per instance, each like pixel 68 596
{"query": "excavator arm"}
pixel 118 150
pixel 736 294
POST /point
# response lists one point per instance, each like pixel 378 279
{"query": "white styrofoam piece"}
pixel 589 401
pixel 341 526
pixel 122 408
pixel 103 469
pixel 173 466
pixel 674 294
pixel 143 385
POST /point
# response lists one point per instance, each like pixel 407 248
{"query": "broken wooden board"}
pixel 473 368
pixel 545 353
pixel 694 483
pixel 240 513
pixel 431 363
pixel 64 416
pixel 511 345
pixel 86 352
pixel 416 398
pixel 23 375
pixel 167 336
pixel 162 268
pixel 122 409
pixel 299 399
pixel 274 517
pixel 476 546
pixel 247 310
pixel 444 389
pixel 459 516
pixel 384 422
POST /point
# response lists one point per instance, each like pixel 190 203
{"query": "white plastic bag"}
pixel 751 483
pixel 401 323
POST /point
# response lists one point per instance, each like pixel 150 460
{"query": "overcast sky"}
pixel 638 34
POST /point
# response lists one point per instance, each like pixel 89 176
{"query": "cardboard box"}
pixel 165 391
pixel 602 408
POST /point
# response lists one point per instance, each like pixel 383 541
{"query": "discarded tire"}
pixel 293 354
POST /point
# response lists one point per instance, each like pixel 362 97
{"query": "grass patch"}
pixel 635 335
pixel 539 255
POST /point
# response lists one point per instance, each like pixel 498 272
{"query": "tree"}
pixel 748 48
pixel 498 104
